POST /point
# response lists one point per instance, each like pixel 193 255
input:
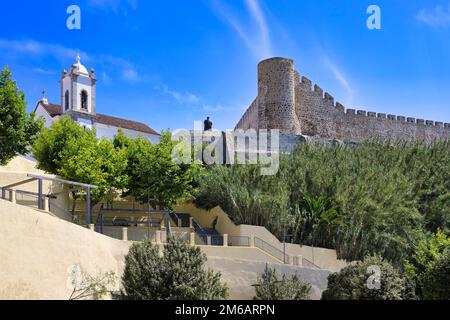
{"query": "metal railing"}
pixel 201 233
pixel 271 250
pixel 40 190
pixel 308 264
pixel 216 240
pixel 236 241
pixel 184 220
pixel 175 218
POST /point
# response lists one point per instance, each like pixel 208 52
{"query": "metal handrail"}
pixel 309 264
pixel 183 218
pixel 270 249
pixel 30 193
pixel 132 210
pixel 201 233
pixel 241 241
pixel 175 218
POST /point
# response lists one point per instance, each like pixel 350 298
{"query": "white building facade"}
pixel 78 100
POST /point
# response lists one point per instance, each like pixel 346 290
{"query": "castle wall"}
pixel 320 116
pixel 250 118
pixel 290 103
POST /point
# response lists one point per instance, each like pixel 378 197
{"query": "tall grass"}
pixel 376 197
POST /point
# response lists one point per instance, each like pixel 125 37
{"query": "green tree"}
pixel 270 286
pixel 178 274
pixel 114 165
pixel 18 129
pixel 81 161
pixel 75 153
pixel 153 173
pixel 48 147
pixel 436 280
pixel 315 220
pixel 424 261
pixel 371 279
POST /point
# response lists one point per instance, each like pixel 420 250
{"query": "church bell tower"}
pixel 78 93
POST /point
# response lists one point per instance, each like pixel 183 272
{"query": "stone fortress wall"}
pixel 290 103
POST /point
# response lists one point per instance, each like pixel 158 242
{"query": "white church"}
pixel 78 100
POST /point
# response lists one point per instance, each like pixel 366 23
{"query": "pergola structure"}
pixel 40 195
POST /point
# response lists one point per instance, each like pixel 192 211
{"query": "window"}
pixel 84 100
pixel 66 100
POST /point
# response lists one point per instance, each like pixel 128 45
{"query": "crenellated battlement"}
pixel 329 100
pixel 290 102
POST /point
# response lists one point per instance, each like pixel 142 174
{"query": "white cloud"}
pixel 127 69
pixel 105 78
pixel 210 108
pixel 44 71
pixel 41 49
pixel 180 97
pixel 339 75
pixel 258 41
pixel 130 74
pixel 436 17
pixel 220 108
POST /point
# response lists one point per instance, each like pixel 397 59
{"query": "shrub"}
pixel 271 287
pixel 436 280
pixel 361 281
pixel 178 274
pixel 422 267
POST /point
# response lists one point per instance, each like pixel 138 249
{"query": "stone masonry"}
pixel 289 103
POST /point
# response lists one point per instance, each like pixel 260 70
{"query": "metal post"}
pixel 149 225
pixel 149 219
pixel 266 282
pixel 88 206
pixel 168 227
pixel 40 191
pixel 284 245
pixel 101 222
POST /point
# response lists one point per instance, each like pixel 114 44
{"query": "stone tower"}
pixel 276 96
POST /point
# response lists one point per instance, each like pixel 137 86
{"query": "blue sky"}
pixel 169 63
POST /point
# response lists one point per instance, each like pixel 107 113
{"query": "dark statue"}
pixel 208 124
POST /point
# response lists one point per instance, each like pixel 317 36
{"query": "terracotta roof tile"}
pixel 52 109
pixel 125 124
pixel 55 110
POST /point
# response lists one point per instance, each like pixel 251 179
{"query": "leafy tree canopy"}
pixel 153 173
pixel 18 129
pixel 75 153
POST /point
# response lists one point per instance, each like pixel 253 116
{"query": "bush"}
pixel 373 198
pixel 436 280
pixel 270 287
pixel 360 281
pixel 423 266
pixel 178 274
